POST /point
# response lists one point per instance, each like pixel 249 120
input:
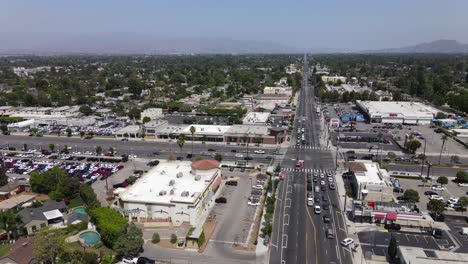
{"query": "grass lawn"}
pixel 75 202
pixel 5 249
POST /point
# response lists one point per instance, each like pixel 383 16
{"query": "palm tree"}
pixel 444 139
pixel 181 141
pixel 245 138
pixel 192 131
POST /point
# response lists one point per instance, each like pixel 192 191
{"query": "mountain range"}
pixel 130 43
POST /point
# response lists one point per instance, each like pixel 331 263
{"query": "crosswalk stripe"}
pixel 325 171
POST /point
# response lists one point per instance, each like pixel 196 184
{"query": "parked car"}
pixel 392 226
pixel 436 197
pixel 317 209
pixel 437 188
pixel 259 151
pixel 130 259
pixel 430 193
pixel 232 183
pixel 463 184
pixel 145 260
pixel 326 219
pixel 310 202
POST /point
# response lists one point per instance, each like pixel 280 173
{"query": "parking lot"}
pixel 371 239
pixel 456 223
pixel 236 216
pixel 451 190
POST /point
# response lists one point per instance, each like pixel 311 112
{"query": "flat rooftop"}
pixel 256 118
pixel 416 255
pixel 248 129
pixel 405 108
pixel 206 129
pixel 169 182
pixel 369 173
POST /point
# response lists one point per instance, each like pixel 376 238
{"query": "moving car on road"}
pixel 347 241
pixel 259 151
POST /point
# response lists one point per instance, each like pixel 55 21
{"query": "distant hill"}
pixel 129 43
pixel 438 46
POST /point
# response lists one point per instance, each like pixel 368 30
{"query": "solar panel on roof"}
pixel 430 253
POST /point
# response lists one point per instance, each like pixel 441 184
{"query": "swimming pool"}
pixel 90 238
pixel 80 210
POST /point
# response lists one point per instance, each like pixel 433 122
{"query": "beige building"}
pixel 333 79
pixel 370 182
pixel 152 113
pixel 283 90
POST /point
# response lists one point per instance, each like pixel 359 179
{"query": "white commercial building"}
pixel 291 69
pixel 348 88
pixel 22 126
pixel 152 113
pixel 397 112
pixel 370 182
pixel 419 255
pixel 255 118
pixel 333 79
pixel 173 192
pixel 283 90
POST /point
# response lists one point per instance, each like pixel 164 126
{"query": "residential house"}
pixel 49 214
pixel 20 253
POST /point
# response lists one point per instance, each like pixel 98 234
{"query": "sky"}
pixel 336 24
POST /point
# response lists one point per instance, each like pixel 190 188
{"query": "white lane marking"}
pixel 286 219
pixel 287 202
pixel 284 241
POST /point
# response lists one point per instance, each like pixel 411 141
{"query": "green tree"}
pixel 463 202
pixel 411 196
pixel 173 238
pixel 444 139
pixel 4 129
pixel 98 149
pixel 436 207
pixel 10 222
pixel 218 157
pixel 56 183
pixel 111 150
pixel 48 244
pixel 278 168
pixel 462 176
pixel 69 132
pixel 135 86
pixel 88 196
pixel 155 238
pixel 108 258
pixel 82 133
pixel 412 145
pixel 181 141
pixel 442 180
pixel 134 113
pixel 391 155
pixel 3 176
pixel 86 110
pixel 454 159
pixel 192 131
pixel 392 248
pixel 110 224
pixel 131 242
pixel 52 147
pixel 146 119
pixel 441 115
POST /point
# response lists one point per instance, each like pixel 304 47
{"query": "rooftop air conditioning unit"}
pixel 184 194
pixel 162 193
pixel 179 174
pixel 171 182
pixel 172 191
pixel 197 178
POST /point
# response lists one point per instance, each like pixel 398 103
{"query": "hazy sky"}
pixel 351 24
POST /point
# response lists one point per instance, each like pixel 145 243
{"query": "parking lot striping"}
pixel 407 238
pixel 286 216
pixel 427 242
pixel 287 202
pixel 284 241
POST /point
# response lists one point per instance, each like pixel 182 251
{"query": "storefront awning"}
pixel 392 216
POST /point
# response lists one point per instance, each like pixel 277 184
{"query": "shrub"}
pixel 221 200
pixel 110 224
pixel 173 238
pixel 155 239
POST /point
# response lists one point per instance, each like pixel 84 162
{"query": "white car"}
pixel 436 197
pixel 239 156
pixel 317 209
pixel 129 259
pixel 253 203
pixel 259 151
pixel 322 175
pixel 310 201
pixel 347 241
pixel 453 200
pixel 330 179
pixel 258 187
pixel 322 182
pixel 437 188
pixel 463 184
